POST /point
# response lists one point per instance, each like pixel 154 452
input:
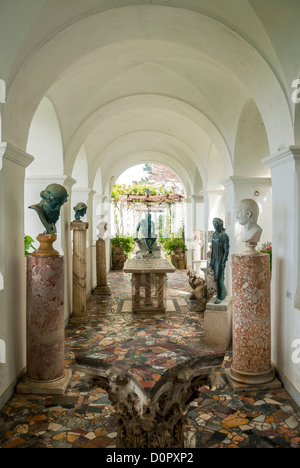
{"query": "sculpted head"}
pixel 80 210
pixel 52 199
pixel 247 211
pixel 247 214
pixel 218 224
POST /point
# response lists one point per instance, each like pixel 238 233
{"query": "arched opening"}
pixel 148 189
pixel 45 145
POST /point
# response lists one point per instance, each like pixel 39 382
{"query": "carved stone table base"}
pixel 148 296
pixel 152 416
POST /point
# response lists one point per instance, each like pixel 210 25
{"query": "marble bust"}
pixel 247 214
pixel 102 228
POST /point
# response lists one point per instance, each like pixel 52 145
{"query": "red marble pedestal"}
pixel 251 329
pixel 45 372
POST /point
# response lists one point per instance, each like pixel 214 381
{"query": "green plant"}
pixel 28 244
pixel 170 244
pixel 124 243
pixel 266 247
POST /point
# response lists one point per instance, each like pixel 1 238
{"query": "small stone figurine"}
pixel 219 256
pixel 48 209
pixel 80 210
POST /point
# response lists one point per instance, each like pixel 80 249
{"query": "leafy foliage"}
pixel 122 242
pixel 172 243
pixel 28 244
pixel 137 188
pixel 266 247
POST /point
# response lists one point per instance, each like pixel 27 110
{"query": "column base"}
pixel 101 290
pixel 45 387
pixel 242 381
pixel 79 319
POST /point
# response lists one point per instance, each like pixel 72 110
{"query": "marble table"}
pixel 151 387
pixel 148 283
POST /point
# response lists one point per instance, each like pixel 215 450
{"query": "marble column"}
pixel 79 313
pixel 45 372
pixel 102 287
pixel 251 330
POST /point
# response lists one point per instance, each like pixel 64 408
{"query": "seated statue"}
pixel 48 209
pixel 148 236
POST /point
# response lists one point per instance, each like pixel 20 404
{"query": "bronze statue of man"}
pixel 219 257
pixel 48 209
pixel 147 227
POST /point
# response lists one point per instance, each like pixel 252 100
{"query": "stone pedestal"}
pixel 102 287
pixel 45 372
pixel 79 313
pixel 218 324
pixel 251 331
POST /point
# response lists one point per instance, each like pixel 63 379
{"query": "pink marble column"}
pixel 251 329
pixel 45 372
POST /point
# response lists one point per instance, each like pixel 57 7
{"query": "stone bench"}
pixel 151 387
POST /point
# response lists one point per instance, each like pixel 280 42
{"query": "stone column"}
pixel 45 373
pixel 79 313
pixel 251 331
pixel 102 287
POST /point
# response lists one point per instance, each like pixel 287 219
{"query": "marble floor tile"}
pixel 83 417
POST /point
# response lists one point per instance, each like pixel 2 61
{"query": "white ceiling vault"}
pixel 168 80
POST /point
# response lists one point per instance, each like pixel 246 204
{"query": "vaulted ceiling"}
pixel 163 80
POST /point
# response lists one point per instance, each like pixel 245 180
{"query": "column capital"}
pixel 47 179
pixel 15 155
pixel 283 156
pixel 244 180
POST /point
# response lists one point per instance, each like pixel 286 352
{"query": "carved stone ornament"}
pixel 154 417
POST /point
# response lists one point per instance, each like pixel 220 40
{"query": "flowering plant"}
pixel 266 247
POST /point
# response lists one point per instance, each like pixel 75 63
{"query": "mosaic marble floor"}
pixel 84 417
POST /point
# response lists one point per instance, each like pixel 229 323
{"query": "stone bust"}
pixel 80 210
pixel 102 228
pixel 48 209
pixel 247 214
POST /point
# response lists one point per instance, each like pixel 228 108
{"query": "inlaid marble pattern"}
pixel 84 418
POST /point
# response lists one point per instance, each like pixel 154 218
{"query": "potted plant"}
pixel 121 246
pixel 175 248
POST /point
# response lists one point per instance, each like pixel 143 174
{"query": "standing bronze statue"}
pixel 219 257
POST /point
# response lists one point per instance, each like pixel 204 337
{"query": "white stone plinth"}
pixel 218 324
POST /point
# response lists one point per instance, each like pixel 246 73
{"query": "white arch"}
pixel 80 169
pixel 153 157
pixel 157 26
pixel 45 141
pixel 251 143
